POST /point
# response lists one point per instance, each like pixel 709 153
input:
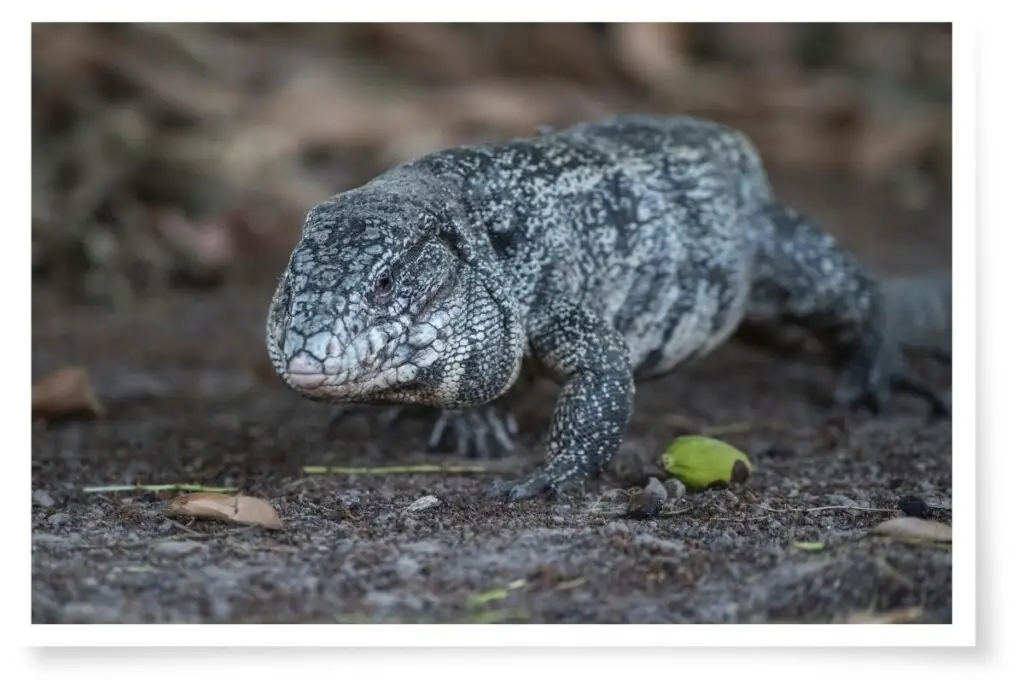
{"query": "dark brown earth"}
pixel 189 399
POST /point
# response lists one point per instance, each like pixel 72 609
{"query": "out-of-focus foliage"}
pixel 170 153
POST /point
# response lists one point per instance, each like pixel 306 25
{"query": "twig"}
pixel 197 536
pixel 117 488
pixel 183 527
pixel 738 519
pixel 399 469
pixel 827 507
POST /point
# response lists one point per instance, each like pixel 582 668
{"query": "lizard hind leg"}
pixel 486 432
pixel 803 275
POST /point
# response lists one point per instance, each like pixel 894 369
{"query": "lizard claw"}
pixel 555 480
pixel 384 417
pixel 526 489
pixel 869 383
pixel 477 431
pixel 487 432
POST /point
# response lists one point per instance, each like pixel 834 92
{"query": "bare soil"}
pixel 189 398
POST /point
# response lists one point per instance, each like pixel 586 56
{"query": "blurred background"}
pixel 186 155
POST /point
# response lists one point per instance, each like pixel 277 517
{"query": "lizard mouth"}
pixel 306 380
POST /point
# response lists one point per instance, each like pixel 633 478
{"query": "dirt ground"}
pixel 189 399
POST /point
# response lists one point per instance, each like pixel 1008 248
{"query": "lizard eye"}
pixel 383 284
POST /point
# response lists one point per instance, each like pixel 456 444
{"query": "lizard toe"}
pixel 481 433
pixel 871 384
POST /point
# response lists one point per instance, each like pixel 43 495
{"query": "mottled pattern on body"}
pixel 599 255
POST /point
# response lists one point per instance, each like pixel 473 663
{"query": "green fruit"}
pixel 701 462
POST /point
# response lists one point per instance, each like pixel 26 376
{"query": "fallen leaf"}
pixel 239 509
pixel 809 545
pixel 898 616
pixel 914 528
pixel 65 392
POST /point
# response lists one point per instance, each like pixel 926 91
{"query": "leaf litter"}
pixel 65 392
pixel 238 509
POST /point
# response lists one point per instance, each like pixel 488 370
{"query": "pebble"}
pixel 406 568
pixel 58 519
pixel 674 488
pixel 176 548
pixel 651 501
pixel 220 609
pixel 655 491
pixel 424 503
pixel 50 539
pixel 617 527
pixel 557 519
pixel 914 506
pixel 88 613
pixel 43 499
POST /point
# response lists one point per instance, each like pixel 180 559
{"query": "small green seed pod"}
pixel 701 462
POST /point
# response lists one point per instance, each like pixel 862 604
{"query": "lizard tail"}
pixel 919 313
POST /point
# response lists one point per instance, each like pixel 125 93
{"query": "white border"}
pixel 962 632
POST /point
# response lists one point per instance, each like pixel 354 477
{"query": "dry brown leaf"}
pixel 239 509
pixel 65 392
pixel 653 54
pixel 915 529
pixel 206 245
pixel 891 140
pixel 906 615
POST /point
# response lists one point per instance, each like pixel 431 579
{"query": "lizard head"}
pixel 365 307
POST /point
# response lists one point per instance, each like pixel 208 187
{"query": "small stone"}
pixel 43 499
pixel 424 503
pixel 674 488
pixel 89 613
pixel 617 528
pixel 381 599
pixel 655 491
pixel 220 609
pixel 651 501
pixel 176 548
pixel 406 568
pixel 58 519
pixel 913 506
pixel 49 539
pixel 557 519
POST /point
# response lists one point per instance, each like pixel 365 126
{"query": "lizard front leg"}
pixel 591 361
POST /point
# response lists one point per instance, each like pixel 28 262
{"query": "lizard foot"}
pixel 486 432
pixel 555 480
pixel 383 417
pixel 868 381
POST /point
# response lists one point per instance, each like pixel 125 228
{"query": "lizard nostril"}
pixel 334 347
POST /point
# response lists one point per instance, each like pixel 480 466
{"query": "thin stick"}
pixel 398 469
pixel 118 488
pixel 828 507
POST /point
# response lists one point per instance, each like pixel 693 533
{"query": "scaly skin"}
pixel 598 256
